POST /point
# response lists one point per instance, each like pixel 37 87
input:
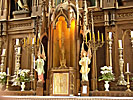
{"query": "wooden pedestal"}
pixel 39 89
pixel 85 88
pixel 21 14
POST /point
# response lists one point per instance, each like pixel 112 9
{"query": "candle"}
pixel 37 41
pixel 93 37
pixel 7 70
pixel 98 36
pixel 120 43
pixel 131 34
pixel 102 37
pixel 17 41
pixel 127 67
pixel 4 52
pixel 33 41
pixel 86 38
pixel 24 42
pixel 90 36
pixel 19 49
pixel 110 35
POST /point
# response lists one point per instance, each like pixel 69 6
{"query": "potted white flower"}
pixel 2 79
pixel 107 76
pixel 23 77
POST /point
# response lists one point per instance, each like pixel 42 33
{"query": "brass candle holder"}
pixel 7 82
pixel 31 47
pixel 17 59
pixel 128 82
pixel 2 62
pixel 32 67
pixel 110 51
pixel 121 80
pixel 94 45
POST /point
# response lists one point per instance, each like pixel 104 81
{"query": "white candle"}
pixel 17 41
pixel 8 71
pixel 19 49
pixel 131 34
pixel 127 67
pixel 110 35
pixel 33 40
pixel 120 43
pixel 4 52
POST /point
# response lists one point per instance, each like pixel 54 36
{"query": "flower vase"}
pixel 106 85
pixel 1 86
pixel 22 86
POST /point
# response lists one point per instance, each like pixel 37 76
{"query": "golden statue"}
pixel 84 62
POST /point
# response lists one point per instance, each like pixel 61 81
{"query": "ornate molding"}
pixel 22 25
pixel 124 15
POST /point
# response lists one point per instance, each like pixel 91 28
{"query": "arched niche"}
pixel 62 33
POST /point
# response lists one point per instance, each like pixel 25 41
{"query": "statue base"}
pixel 21 14
pixel 39 89
pixel 85 88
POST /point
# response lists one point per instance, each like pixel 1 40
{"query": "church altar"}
pixel 66 49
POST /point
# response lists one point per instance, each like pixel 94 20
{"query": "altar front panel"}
pixel 60 83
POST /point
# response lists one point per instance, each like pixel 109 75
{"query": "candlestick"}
pixel 34 62
pixel 98 36
pixel 121 80
pixel 127 67
pixel 19 49
pixel 94 46
pixel 38 41
pixel 24 42
pixel 110 35
pixel 131 34
pixel 17 41
pixel 90 36
pixel 128 82
pixel 102 38
pixel 7 82
pixel 4 52
pixel 120 43
pixel 110 51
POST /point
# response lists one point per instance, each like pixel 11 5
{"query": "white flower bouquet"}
pixel 107 74
pixel 2 77
pixel 23 75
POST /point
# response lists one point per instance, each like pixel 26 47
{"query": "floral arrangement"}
pixel 23 75
pixel 107 74
pixel 2 77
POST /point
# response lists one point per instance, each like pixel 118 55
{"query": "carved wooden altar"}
pixel 60 27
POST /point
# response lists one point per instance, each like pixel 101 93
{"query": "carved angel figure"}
pixel 40 65
pixel 84 62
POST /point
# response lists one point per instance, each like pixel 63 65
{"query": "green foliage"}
pixel 107 77
pixel 2 77
pixel 23 76
pixel 107 74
